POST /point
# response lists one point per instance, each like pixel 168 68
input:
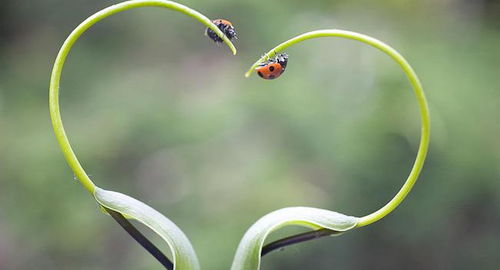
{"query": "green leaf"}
pixel 184 257
pixel 248 253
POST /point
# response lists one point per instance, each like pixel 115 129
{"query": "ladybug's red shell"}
pixel 270 71
pixel 274 67
pixel 222 21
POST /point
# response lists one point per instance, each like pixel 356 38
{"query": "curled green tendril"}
pixel 419 94
pixel 64 51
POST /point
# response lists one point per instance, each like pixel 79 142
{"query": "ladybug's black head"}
pixel 282 59
pixel 228 30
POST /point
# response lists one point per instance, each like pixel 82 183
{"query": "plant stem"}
pixel 296 239
pixel 64 51
pixel 419 94
pixel 141 239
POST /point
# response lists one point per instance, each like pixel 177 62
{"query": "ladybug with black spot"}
pixel 274 67
pixel 225 26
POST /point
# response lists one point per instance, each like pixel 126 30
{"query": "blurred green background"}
pixel 156 110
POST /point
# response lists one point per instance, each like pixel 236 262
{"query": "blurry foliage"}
pixel 187 134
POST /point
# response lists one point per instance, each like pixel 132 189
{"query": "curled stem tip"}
pixel 418 91
pixel 64 51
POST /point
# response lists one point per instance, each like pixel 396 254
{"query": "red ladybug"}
pixel 225 26
pixel 273 68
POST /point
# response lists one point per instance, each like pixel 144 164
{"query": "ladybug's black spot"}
pixel 260 74
pixel 271 68
pixel 272 76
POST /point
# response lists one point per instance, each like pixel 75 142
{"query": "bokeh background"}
pixel 156 110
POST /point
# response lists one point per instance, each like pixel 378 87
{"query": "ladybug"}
pixel 273 68
pixel 225 26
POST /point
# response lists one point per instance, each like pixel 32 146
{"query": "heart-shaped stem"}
pixel 186 254
pixel 419 94
pixel 55 113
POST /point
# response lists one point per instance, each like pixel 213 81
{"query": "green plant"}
pixel 251 248
pixel 326 222
pixel 117 204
